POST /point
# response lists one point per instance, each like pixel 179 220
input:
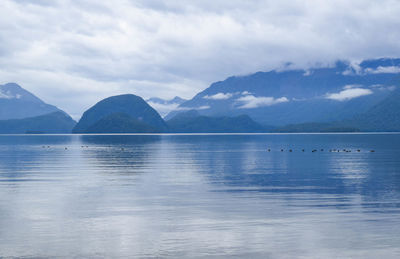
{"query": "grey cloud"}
pixel 37 2
pixel 72 52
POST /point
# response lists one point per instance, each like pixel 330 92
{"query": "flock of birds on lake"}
pixel 66 148
pixel 322 150
pixel 269 150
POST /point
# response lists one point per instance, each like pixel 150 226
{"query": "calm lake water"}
pixel 200 196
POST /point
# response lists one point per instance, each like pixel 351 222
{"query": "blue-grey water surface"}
pixel 200 196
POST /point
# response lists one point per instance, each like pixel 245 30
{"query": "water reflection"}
pixel 115 140
pixel 22 156
pixel 200 196
pixel 118 154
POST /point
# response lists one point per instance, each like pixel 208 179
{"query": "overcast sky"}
pixel 74 53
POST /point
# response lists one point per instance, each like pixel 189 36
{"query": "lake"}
pixel 200 196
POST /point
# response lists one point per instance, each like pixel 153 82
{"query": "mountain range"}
pixel 345 97
pixel 282 97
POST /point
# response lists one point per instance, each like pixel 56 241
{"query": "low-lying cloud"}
pixel 5 96
pixel 348 94
pixel 8 95
pixel 203 107
pixel 383 70
pixel 351 86
pixel 218 96
pixel 163 109
pixel 251 101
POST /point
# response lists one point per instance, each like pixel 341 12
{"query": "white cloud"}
pixel 351 86
pixel 218 96
pixel 203 107
pixel 225 96
pixel 251 101
pixel 349 94
pixel 354 68
pixel 383 70
pixel 5 95
pixel 299 99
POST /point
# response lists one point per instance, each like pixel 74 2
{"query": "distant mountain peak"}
pixel 18 103
pixel 178 99
pixel 12 91
pixel 12 84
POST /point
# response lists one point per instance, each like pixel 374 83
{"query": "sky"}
pixel 74 53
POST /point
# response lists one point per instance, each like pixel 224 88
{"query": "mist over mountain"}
pixel 174 100
pixel 18 103
pixel 282 97
pixel 122 114
pixel 163 106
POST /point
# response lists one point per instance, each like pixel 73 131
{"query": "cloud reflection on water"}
pixel 187 196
